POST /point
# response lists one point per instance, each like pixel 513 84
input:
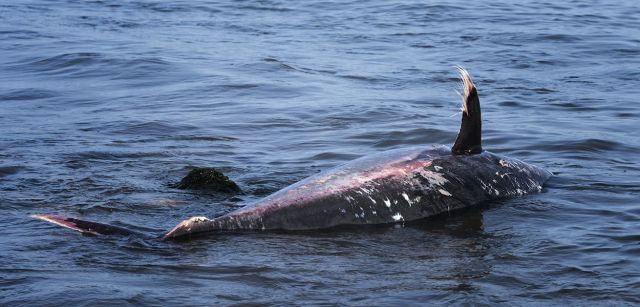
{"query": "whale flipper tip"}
pixel 82 226
pixel 65 222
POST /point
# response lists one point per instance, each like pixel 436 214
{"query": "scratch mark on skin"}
pixel 444 192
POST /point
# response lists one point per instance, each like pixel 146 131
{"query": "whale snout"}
pixel 191 225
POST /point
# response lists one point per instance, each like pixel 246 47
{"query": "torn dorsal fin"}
pixel 469 139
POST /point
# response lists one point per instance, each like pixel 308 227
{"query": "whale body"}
pixel 388 187
pixel 393 186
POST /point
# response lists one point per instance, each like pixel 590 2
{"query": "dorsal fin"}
pixel 469 139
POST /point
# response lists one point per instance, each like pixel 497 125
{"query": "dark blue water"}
pixel 105 104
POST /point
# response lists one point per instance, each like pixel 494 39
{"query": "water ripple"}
pixel 104 104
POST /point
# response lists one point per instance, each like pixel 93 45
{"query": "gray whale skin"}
pixel 393 186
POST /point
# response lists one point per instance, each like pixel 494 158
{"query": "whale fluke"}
pixel 469 141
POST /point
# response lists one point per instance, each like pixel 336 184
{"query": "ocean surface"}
pixel 105 104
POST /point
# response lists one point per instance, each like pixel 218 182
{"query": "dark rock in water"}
pixel 208 178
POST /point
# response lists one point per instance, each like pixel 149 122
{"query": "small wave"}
pixel 28 94
pixel 218 269
pixel 264 8
pixel 262 90
pixel 286 66
pixel 203 138
pixel 584 146
pixel 67 60
pixel 614 187
pixel 423 45
pixel 626 115
pixel 104 155
pixel 333 156
pixel 632 238
pixel 164 7
pixel 22 35
pixel 410 34
pixel 588 145
pixel 154 128
pixel 10 170
pixel 91 64
pixel 565 38
pixel 368 79
pixel 574 106
pixel 509 103
pixel 417 136
pixel 542 90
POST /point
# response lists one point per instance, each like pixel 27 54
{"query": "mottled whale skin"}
pixel 392 186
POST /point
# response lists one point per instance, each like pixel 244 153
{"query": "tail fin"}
pixel 469 139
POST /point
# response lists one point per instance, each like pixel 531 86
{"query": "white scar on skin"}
pixel 444 192
pixel 504 163
pixel 434 178
pixel 387 203
pixel 397 217
pixel 406 197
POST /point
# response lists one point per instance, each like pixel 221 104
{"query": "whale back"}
pixel 415 185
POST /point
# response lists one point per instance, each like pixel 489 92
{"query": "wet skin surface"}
pixel 393 186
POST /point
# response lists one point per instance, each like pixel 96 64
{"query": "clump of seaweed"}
pixel 208 178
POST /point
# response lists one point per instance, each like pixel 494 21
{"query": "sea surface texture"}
pixel 105 104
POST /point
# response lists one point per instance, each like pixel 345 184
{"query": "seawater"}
pixel 105 104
